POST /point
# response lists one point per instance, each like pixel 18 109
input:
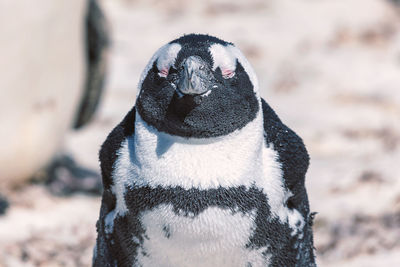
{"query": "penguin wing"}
pixel 294 160
pixel 292 155
pixel 108 152
pixel 108 155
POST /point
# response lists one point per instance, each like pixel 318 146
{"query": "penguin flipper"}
pixel 292 152
pixel 108 151
pixel 108 156
pixel 294 159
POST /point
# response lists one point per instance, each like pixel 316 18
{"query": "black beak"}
pixel 195 77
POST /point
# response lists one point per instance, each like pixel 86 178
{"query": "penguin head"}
pixel 198 86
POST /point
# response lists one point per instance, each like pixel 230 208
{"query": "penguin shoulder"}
pixel 108 151
pixel 292 153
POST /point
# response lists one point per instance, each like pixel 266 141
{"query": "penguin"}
pixel 201 171
pixel 60 72
pixel 97 42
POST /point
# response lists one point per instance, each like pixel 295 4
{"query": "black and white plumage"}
pixel 202 172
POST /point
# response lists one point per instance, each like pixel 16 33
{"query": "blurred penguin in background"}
pixel 54 57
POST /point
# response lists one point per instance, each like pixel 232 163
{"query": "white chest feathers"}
pixel 215 237
pixel 153 158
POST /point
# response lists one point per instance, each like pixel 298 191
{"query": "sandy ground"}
pixel 330 69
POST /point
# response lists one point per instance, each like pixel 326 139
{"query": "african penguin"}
pixel 202 172
pixel 55 57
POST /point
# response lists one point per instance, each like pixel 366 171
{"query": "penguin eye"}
pixel 163 72
pixel 227 74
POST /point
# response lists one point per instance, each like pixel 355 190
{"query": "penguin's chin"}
pixel 182 102
pixel 180 112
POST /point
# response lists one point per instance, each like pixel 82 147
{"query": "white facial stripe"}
pixel 166 56
pixel 235 52
pixel 225 57
pixel 222 58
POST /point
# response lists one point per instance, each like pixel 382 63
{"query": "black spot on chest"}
pixel 167 231
pixel 193 201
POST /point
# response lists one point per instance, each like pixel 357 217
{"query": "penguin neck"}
pixel 168 160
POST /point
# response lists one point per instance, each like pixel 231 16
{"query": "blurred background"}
pixel 330 69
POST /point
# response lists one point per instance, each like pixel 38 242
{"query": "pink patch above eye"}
pixel 228 73
pixel 163 73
